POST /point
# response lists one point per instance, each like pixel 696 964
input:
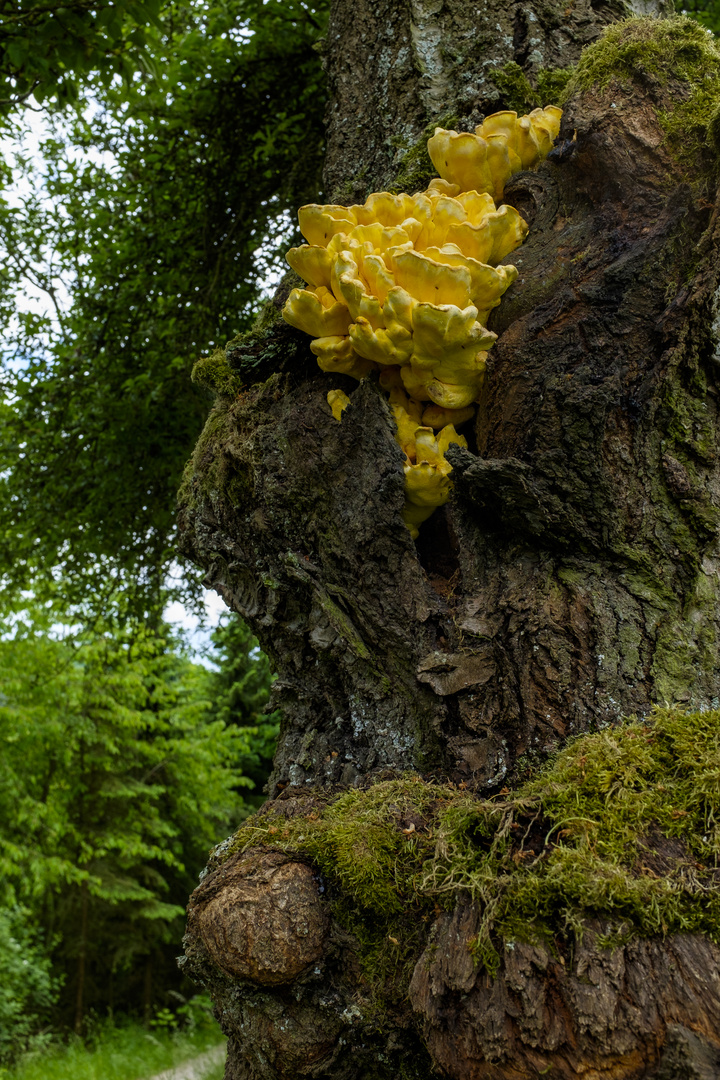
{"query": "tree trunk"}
pixel 572 579
pixel 82 959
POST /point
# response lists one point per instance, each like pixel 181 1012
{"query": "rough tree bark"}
pixel 572 579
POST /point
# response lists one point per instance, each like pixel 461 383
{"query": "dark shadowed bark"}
pixel 572 579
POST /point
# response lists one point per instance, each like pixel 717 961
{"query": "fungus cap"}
pixel 493 238
pixel 319 224
pixel 350 289
pixel 336 354
pixel 378 345
pixel 462 158
pixel 310 311
pixel 405 283
pixel 431 282
pixel 338 401
pixel 426 484
pixel 436 417
pixel 448 335
pixel 455 395
pixel 502 145
pixel 487 283
pixel 312 263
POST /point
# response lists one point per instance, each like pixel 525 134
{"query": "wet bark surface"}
pixel 572 579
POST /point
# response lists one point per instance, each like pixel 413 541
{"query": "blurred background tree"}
pixel 240 690
pixel 155 211
pixel 153 153
pixel 116 777
pixel 707 12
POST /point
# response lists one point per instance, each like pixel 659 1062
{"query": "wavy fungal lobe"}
pixel 404 284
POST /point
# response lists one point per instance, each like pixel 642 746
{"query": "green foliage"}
pixel 115 779
pixel 121 1051
pixel 578 841
pixel 27 990
pixel 706 12
pixel 47 49
pixel 240 692
pixel 160 208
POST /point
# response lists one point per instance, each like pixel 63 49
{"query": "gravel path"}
pixel 195 1069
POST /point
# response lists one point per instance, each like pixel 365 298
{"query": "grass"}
pixel 119 1052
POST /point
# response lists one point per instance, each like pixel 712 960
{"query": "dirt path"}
pixel 196 1069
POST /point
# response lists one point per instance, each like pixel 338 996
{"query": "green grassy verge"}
pixel 127 1052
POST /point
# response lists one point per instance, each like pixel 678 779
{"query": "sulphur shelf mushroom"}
pixel 338 400
pixel 403 286
pixel 502 145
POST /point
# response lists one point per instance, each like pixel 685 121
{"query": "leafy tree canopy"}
pixel 157 210
pixel 47 48
pixel 156 213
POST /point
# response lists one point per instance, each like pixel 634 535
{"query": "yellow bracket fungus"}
pixel 404 284
pixel 502 145
pixel 337 400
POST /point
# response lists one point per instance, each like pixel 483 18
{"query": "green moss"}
pixel 211 472
pixel 226 371
pixel 214 373
pixel 552 84
pixel 270 314
pixel 663 50
pixel 519 94
pixel 575 842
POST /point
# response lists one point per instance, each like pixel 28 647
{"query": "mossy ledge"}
pixel 623 825
pixel 268 347
pixel 662 51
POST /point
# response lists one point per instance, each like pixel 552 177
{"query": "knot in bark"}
pixel 261 917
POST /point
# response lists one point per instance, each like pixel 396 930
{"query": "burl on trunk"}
pixel 571 580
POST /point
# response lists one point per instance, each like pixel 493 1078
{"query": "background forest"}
pixel 154 155
pixel 151 156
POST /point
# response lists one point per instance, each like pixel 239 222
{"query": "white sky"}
pixel 197 632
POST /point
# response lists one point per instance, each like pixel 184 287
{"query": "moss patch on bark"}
pixel 623 824
pixel 663 51
pixel 518 92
